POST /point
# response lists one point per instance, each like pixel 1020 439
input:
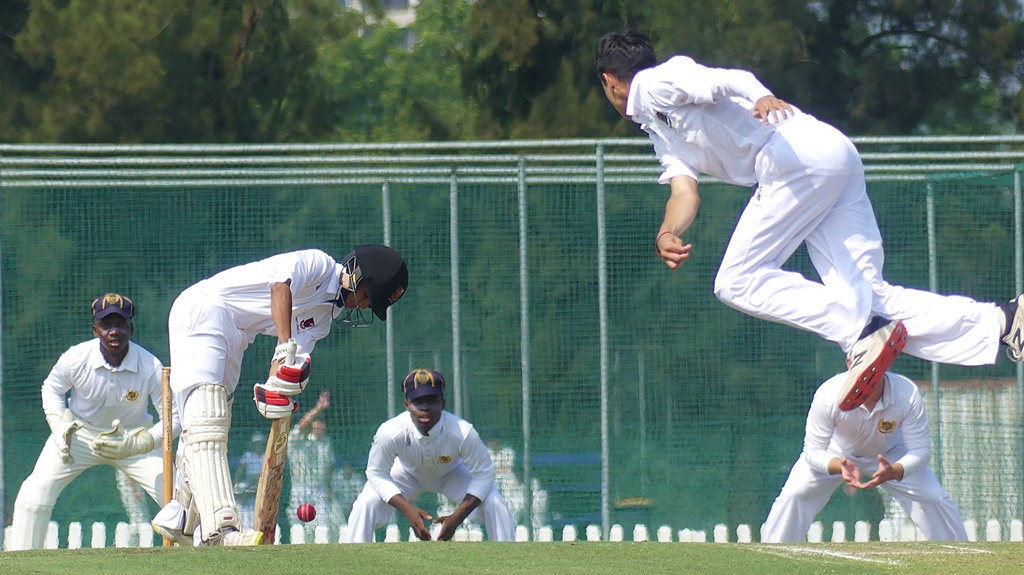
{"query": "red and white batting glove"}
pixel 280 353
pixel 291 379
pixel 271 403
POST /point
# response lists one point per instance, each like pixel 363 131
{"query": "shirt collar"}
pixel 632 97
pixel 130 362
pixel 884 401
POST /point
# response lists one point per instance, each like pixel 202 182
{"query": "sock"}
pixel 874 325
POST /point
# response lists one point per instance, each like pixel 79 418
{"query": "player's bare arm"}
pixel 417 517
pixel 680 211
pixel 322 403
pixel 449 523
pixel 281 313
pixel 771 110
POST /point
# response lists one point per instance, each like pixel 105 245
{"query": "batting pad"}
pixel 206 418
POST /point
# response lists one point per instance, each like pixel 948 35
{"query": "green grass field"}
pixel 590 558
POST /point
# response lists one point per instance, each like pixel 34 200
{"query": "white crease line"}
pixel 966 549
pixel 780 551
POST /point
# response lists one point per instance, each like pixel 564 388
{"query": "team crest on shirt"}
pixel 131 395
pixel 669 121
pixel 444 459
pixel 886 426
pixel 306 323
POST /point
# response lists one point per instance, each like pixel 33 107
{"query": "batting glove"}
pixel 291 379
pixel 132 443
pixel 271 403
pixel 280 352
pixel 63 428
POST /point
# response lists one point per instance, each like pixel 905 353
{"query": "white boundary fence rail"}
pixel 888 531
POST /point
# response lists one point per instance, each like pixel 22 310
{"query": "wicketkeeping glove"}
pixel 271 403
pixel 291 379
pixel 63 428
pixel 113 445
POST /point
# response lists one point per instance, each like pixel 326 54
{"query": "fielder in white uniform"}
pixel 887 438
pixel 112 381
pixel 810 188
pixel 428 449
pixel 293 295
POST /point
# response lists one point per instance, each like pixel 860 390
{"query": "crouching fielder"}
pixel 428 449
pixel 886 437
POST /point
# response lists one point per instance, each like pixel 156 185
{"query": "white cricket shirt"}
pixel 699 119
pixel 896 428
pixel 429 458
pixel 101 393
pixel 245 292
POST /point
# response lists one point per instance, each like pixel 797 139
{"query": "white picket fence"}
pixel 142 535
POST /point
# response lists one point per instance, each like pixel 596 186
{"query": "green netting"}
pixel 703 408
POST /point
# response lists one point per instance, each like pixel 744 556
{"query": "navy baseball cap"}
pixel 421 382
pixel 385 275
pixel 110 303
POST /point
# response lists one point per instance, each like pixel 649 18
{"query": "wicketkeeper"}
pixel 294 295
pixel 105 420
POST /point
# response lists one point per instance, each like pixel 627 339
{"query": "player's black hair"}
pixel 623 54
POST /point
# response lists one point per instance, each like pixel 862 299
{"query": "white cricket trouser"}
pixel 812 189
pixel 205 344
pixel 40 490
pixel 807 491
pixel 369 512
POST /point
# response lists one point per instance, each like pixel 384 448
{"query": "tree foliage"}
pixel 312 70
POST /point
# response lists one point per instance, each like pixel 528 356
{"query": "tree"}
pixel 115 71
pixel 867 66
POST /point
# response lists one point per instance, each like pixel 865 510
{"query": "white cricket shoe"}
pixel 169 523
pixel 868 361
pixel 232 537
pixel 1014 338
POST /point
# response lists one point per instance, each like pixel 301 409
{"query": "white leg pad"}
pixel 206 418
pixel 183 494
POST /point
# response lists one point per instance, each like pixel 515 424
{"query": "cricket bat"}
pixel 268 490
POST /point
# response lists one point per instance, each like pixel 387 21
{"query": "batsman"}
pixel 291 296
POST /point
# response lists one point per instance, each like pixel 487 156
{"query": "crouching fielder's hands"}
pixel 115 444
pixel 63 428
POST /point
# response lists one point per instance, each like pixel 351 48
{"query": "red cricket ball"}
pixel 306 513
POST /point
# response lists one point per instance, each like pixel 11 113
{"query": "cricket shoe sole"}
pixel 867 363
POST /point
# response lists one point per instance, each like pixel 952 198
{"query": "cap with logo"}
pixel 385 275
pixel 110 303
pixel 421 382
